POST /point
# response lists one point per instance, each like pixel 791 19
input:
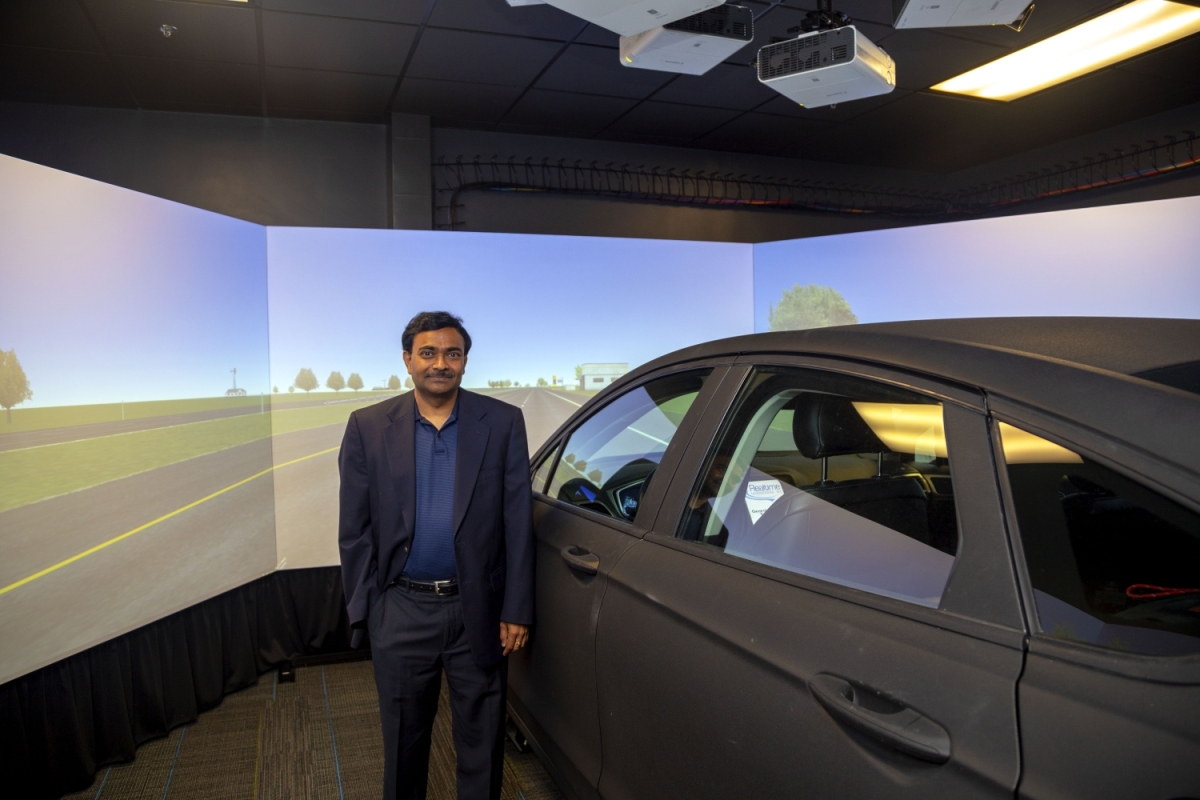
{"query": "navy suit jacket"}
pixel 493 523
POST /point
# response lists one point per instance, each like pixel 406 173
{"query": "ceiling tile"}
pixel 58 76
pixel 205 31
pixel 581 113
pixel 760 133
pixel 877 12
pixel 670 120
pixel 326 116
pixel 345 45
pixel 925 57
pixel 157 82
pixel 724 86
pixel 409 11
pixel 942 133
pixel 480 57
pixel 327 91
pixel 602 37
pixel 60 24
pixel 1179 61
pixel 496 16
pixel 598 70
pixel 453 100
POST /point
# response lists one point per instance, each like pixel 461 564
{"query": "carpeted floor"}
pixel 317 738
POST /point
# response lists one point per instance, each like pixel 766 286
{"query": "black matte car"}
pixel 937 559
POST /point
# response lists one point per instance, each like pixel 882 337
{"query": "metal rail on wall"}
pixel 452 179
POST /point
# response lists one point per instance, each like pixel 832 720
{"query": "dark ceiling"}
pixel 481 64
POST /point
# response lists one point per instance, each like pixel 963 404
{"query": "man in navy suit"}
pixel 436 540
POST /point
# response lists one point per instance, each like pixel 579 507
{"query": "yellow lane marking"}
pixel 154 522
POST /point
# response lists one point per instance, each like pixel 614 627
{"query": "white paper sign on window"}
pixel 761 495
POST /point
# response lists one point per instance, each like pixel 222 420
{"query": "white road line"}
pixel 560 397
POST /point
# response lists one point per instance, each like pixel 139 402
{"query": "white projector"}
pixel 693 45
pixel 826 67
pixel 631 17
pixel 958 13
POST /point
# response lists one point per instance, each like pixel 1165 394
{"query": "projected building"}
pixel 597 376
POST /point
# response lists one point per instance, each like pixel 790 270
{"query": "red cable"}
pixel 1148 591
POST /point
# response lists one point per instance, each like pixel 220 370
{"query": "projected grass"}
pixel 37 473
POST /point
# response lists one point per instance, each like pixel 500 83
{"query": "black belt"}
pixel 438 588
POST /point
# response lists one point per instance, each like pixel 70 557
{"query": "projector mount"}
pixel 823 19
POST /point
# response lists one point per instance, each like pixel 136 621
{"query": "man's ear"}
pixel 407 361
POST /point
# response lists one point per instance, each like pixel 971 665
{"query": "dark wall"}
pixel 269 171
pixel 336 174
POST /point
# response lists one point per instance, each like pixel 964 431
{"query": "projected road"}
pixel 80 566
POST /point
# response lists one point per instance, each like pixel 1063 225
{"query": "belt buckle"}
pixel 443 588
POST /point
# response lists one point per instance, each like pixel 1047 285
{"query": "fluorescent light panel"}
pixel 1122 33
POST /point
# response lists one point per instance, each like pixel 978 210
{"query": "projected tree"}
pixel 305 380
pixel 335 381
pixel 354 381
pixel 811 306
pixel 542 382
pixel 394 383
pixel 408 384
pixel 14 386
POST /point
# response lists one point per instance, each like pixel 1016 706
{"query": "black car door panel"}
pixel 722 677
pixel 704 676
pixel 1108 550
pixel 582 531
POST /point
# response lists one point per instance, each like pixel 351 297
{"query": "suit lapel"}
pixel 472 443
pixel 401 463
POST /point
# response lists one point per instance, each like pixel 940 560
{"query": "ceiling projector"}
pixel 631 17
pixel 961 13
pixel 693 45
pixel 826 67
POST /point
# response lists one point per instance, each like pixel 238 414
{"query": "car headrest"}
pixel 827 425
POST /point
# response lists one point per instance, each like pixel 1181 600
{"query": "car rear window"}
pixel 833 477
pixel 1111 562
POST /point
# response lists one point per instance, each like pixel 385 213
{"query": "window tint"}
pixel 609 460
pixel 1111 562
pixel 833 477
pixel 543 471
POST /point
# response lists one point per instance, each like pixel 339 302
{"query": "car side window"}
pixel 543 471
pixel 833 477
pixel 1111 562
pixel 608 461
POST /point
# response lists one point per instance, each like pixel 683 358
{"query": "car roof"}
pixel 1124 345
pixel 1103 373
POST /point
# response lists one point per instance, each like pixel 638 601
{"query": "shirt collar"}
pixel 450 419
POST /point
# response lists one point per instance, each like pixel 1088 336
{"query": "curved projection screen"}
pixel 539 309
pixel 174 384
pixel 132 479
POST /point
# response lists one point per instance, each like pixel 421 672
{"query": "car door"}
pixel 1109 555
pixel 842 621
pixel 590 486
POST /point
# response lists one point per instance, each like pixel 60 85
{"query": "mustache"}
pixel 439 373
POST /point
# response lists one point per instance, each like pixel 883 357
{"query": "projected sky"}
pixel 536 306
pixel 113 295
pixel 1133 260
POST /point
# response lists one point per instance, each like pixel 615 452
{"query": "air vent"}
pixel 838 53
pixel 792 56
pixel 727 21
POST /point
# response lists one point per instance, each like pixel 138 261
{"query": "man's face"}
pixel 437 361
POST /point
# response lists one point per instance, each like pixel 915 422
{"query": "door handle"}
pixel 896 725
pixel 580 560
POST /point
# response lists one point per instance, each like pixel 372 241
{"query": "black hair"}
pixel 434 321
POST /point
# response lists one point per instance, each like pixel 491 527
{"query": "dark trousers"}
pixel 414 636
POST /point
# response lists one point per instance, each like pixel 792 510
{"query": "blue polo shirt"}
pixel 434 455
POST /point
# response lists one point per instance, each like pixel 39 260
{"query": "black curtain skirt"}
pixel 62 723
